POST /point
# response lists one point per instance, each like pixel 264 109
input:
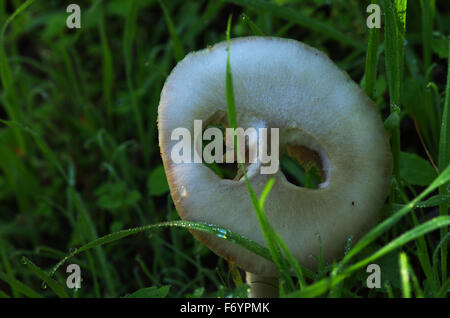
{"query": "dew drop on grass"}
pixel 222 233
pixel 72 250
pixel 348 244
pixel 44 285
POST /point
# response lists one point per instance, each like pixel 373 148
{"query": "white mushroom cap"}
pixel 288 85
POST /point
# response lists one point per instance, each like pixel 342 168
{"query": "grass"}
pixel 81 179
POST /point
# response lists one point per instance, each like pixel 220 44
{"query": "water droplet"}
pixel 72 250
pixel 222 233
pixel 44 285
pixel 348 244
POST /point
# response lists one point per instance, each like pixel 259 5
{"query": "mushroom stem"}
pixel 262 286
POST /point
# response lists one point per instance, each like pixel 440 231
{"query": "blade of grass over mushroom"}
pixel 416 232
pixel 270 235
pixel 299 18
pixel 10 101
pixel 267 230
pixel 198 226
pixel 444 161
pixel 48 281
pixel 274 241
pixel 442 179
pixel 178 50
pixel 231 104
pixel 293 263
pixel 313 290
pixel 325 284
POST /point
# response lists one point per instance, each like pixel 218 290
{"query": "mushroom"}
pixel 322 115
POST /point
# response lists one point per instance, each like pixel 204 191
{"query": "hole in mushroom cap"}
pixel 302 167
pixel 221 165
pixel 224 170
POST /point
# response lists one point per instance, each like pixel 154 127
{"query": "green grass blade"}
pixel 90 233
pixel 413 234
pixel 50 282
pixel 267 230
pixel 429 113
pixel 400 10
pixel 4 295
pixel 442 179
pixel 10 101
pixel 7 265
pixel 19 286
pixel 434 201
pixel 370 74
pixel 128 40
pixel 231 104
pixel 266 191
pixel 415 282
pixel 255 29
pixel 42 145
pixel 303 20
pixel 427 16
pixel 443 292
pixel 394 38
pixel 218 231
pixel 442 244
pixel 293 263
pixel 107 67
pixel 404 275
pixel 325 284
pixel 312 290
pixel 6 75
pixel 444 161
